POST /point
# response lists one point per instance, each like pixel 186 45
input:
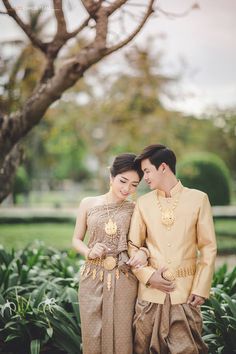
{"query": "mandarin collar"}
pixel 176 189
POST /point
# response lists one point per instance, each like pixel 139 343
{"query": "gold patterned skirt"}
pixel 107 300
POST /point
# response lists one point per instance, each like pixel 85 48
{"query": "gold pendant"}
pixel 110 228
pixel 167 217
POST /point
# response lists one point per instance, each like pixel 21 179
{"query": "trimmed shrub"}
pixel 208 173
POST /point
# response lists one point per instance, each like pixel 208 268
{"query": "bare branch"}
pixel 101 28
pixel 135 32
pixel 194 6
pixel 79 29
pixel 91 6
pixel 116 5
pixel 36 41
pixel 61 22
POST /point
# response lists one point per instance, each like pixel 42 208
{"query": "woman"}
pixel 107 287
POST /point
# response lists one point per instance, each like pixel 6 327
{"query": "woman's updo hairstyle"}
pixel 125 162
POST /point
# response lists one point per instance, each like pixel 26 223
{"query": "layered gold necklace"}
pixel 110 227
pixel 167 213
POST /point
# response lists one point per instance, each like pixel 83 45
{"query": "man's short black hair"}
pixel 157 154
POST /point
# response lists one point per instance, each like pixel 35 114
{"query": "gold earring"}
pixel 110 186
pixel 134 196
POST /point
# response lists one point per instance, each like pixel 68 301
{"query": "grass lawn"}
pixel 225 226
pixel 16 236
pixel 59 235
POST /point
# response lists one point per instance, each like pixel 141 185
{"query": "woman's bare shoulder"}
pixel 90 202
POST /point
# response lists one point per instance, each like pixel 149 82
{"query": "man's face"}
pixel 152 176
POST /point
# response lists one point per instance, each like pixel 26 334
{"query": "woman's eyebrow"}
pixel 128 179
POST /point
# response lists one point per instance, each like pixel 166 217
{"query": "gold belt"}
pixel 108 263
pixel 171 275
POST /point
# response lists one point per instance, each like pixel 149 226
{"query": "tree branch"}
pixel 61 22
pixel 79 29
pixel 91 6
pixel 36 41
pixel 116 5
pixel 135 32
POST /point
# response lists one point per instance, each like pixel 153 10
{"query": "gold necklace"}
pixel 167 214
pixel 111 226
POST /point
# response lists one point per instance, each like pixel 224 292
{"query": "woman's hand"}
pixel 138 260
pixel 97 251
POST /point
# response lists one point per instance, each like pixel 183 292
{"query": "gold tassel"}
pixel 117 273
pixel 109 281
pixel 101 275
pixel 94 273
pixel 82 269
pixel 87 271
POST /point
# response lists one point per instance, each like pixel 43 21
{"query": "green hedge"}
pixel 206 172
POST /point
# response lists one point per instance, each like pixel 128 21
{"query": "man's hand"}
pixel 158 282
pixel 195 300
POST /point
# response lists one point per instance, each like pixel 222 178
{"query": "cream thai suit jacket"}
pixel 188 248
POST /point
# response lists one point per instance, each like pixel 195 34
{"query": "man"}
pixel 175 224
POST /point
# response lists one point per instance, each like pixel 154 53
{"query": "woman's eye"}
pixel 122 181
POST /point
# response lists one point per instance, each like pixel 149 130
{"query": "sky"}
pixel 204 39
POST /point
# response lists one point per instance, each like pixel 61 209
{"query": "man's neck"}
pixel 169 183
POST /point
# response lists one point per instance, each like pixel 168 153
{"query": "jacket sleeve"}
pixel 136 239
pixel 206 242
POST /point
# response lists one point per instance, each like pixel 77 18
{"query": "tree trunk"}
pixel 8 171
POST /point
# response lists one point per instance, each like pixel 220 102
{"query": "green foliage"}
pixel 219 313
pixel 208 173
pixel 39 311
pixel 21 183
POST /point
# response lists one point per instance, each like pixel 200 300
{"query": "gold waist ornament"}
pixel 171 274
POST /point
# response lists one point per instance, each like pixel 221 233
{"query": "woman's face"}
pixel 124 184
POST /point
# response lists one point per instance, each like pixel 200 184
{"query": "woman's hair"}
pixel 126 162
pixel 157 154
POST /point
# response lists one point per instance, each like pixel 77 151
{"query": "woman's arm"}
pixel 80 229
pixel 99 249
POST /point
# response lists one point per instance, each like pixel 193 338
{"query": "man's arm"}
pixel 206 242
pixel 136 239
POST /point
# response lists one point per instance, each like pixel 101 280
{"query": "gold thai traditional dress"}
pixel 108 289
pixel 178 232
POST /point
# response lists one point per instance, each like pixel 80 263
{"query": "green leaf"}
pixel 35 346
